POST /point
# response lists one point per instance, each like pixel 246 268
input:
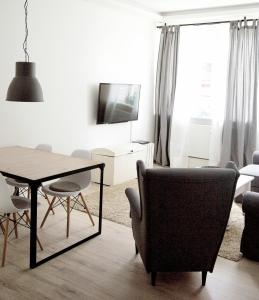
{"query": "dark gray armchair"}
pixel 255 182
pixel 179 217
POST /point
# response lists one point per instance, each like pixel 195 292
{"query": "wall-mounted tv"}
pixel 118 103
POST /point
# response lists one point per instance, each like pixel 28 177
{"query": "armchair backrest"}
pixel 185 214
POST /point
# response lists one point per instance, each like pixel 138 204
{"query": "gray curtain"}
pixel 240 124
pixel 165 92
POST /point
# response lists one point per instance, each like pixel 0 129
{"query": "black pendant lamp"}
pixel 25 87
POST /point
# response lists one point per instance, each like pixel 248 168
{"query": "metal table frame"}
pixel 34 185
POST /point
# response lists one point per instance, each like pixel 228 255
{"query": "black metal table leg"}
pixel 101 199
pixel 33 236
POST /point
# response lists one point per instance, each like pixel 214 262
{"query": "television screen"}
pixel 118 103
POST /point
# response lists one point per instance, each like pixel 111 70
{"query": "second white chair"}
pixel 69 190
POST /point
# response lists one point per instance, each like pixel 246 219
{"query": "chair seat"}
pixel 16 183
pixel 64 186
pixel 21 203
pixel 62 189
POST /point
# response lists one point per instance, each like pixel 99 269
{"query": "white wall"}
pixel 76 44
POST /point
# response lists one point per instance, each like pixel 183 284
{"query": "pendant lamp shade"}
pixel 25 87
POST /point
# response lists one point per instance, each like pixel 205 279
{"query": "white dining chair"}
pixel 22 188
pixel 13 209
pixel 68 190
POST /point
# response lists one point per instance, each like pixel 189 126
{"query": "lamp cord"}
pixel 27 57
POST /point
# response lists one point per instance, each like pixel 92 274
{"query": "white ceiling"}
pixel 165 6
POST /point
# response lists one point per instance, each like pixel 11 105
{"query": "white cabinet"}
pixel 120 161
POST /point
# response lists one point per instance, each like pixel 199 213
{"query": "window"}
pixel 200 93
pixel 202 68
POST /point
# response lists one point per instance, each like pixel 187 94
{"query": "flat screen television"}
pixel 118 103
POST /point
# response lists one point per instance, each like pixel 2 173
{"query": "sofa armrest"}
pixel 251 203
pixel 134 201
pixel 256 158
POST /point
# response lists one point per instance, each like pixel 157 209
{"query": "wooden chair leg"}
pixel 28 218
pixel 2 227
pixel 5 239
pixel 47 198
pixel 204 277
pixel 47 213
pixel 68 215
pixel 153 278
pixel 29 193
pixel 15 225
pixel 86 208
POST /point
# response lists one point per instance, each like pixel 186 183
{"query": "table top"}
pixel 243 184
pixel 251 170
pixel 244 179
pixel 33 165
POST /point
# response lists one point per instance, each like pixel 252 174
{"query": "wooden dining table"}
pixel 34 167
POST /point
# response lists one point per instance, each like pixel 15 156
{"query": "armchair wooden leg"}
pixel 15 225
pixel 5 239
pixel 68 215
pixel 204 277
pixel 153 278
pixel 86 208
pixel 47 213
pixel 136 248
pixel 29 221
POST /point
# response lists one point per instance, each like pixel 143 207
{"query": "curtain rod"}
pixel 207 23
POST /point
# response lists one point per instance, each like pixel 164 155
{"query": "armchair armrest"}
pixel 256 158
pixel 134 201
pixel 251 203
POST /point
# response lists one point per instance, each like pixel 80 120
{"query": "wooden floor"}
pixel 107 268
